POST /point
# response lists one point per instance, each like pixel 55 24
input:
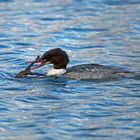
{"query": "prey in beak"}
pixel 26 72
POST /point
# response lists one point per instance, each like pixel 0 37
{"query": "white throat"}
pixel 56 72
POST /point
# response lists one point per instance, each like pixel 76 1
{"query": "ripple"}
pixel 121 3
pixel 6 0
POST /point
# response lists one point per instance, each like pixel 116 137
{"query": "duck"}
pixel 60 59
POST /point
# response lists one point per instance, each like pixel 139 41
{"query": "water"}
pixel 100 31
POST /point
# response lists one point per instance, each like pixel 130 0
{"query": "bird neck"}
pixel 56 72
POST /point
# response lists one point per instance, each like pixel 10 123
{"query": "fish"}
pixel 26 72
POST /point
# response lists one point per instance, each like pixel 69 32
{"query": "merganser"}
pixel 60 59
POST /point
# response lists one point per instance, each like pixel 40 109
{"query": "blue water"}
pixel 91 31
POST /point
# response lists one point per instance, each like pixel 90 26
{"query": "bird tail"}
pixel 132 75
pixel 127 74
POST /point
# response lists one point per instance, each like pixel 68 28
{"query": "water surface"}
pixel 91 31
